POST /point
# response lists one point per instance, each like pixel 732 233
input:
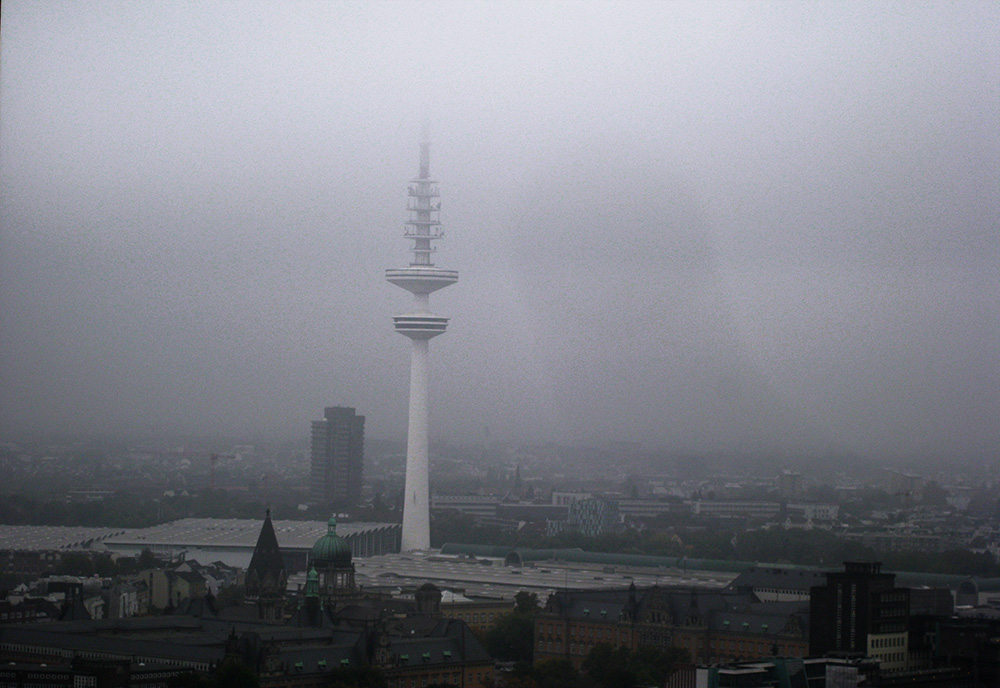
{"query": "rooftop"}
pixel 236 533
pixel 37 538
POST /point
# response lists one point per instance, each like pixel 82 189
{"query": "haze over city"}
pixel 708 227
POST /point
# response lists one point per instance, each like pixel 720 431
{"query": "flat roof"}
pixel 38 538
pixel 411 569
pixel 195 532
pixel 237 533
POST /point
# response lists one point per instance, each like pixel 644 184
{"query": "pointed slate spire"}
pixel 267 568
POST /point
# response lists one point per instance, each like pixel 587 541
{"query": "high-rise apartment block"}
pixel 338 450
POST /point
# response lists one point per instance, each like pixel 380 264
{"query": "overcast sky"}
pixel 719 227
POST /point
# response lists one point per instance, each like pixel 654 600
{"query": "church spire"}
pixel 266 578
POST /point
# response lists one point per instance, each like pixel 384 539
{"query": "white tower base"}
pixel 416 501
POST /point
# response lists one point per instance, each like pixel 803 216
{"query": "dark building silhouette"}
pixel 266 579
pixel 860 612
pixel 337 455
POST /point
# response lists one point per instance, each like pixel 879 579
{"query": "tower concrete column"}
pixel 420 278
pixel 416 510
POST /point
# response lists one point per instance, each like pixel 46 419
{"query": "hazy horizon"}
pixel 740 228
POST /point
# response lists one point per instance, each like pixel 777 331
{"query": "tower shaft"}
pixel 416 507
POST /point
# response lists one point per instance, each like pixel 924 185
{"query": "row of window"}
pixel 890 656
pixel 785 650
pixel 897 641
pixel 892 611
pixel 474 617
pixel 587 631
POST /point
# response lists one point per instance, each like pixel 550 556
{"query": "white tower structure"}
pixel 420 325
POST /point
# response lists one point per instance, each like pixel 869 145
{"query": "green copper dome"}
pixel 330 550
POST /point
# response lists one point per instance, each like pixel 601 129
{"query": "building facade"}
pixel 338 451
pixel 708 625
pixel 861 612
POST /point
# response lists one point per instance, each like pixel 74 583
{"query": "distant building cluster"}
pixel 54 597
pixel 855 625
pixel 285 637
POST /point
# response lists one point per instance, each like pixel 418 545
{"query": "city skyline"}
pixel 738 229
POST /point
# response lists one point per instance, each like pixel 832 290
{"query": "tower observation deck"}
pixel 420 278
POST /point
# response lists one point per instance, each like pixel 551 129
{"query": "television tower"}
pixel 420 325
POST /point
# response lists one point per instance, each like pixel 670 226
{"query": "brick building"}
pixel 709 625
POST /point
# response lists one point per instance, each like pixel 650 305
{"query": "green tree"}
pixel 454 526
pixel 76 564
pixel 512 638
pixel 556 673
pixel 234 674
pixel 624 668
pixel 609 666
pixel 356 677
pixel 231 596
pixel 526 602
pixel 652 665
pixel 148 560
